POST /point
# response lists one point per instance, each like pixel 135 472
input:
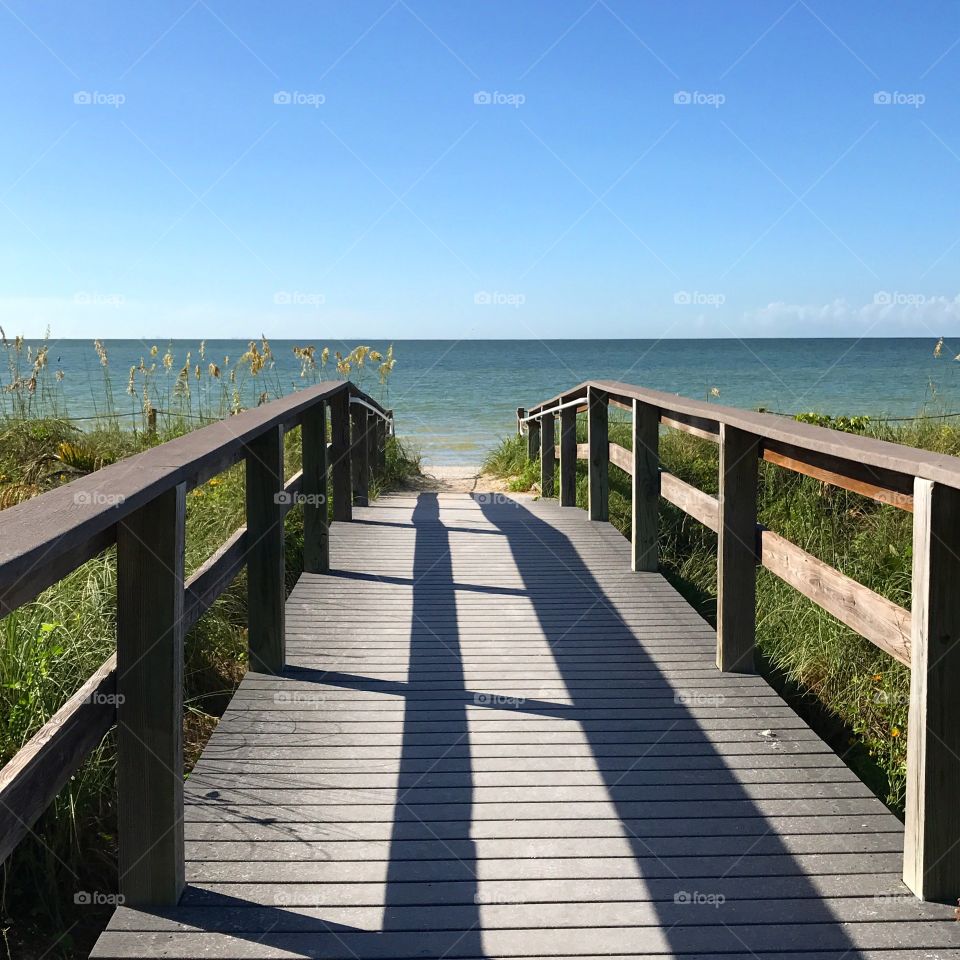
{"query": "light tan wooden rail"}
pixel 925 638
pixel 139 506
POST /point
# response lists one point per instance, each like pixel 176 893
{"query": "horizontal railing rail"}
pixel 925 638
pixel 138 506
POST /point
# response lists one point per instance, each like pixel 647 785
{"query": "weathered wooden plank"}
pixel 568 457
pixel 645 487
pixel 360 454
pixel 340 454
pixel 266 588
pixel 533 439
pixel 316 533
pixel 37 772
pixel 599 446
pixel 547 443
pixel 150 634
pixel 737 551
pixel 881 621
pixel 213 577
pixel 931 863
pixel 701 506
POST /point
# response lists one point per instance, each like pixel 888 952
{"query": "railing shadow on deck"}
pixel 727 900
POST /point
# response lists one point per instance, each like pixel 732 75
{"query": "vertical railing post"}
pixel 931 860
pixel 645 486
pixel 373 443
pixel 547 454
pixel 316 533
pixel 568 457
pixel 737 551
pixel 266 588
pixel 150 546
pixel 533 439
pixel 360 455
pixel 340 456
pixel 521 413
pixel 599 464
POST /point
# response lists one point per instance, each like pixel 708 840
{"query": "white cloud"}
pixel 891 313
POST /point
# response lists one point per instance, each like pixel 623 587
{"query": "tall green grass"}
pixel 860 695
pixel 48 648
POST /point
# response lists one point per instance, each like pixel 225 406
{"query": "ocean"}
pixel 454 399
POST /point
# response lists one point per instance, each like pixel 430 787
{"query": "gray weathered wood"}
pixel 737 551
pixel 266 588
pixel 701 506
pixel 931 866
pixel 316 534
pixel 568 457
pixel 37 772
pixel 881 621
pixel 547 444
pixel 645 502
pixel 150 545
pixel 360 455
pixel 533 439
pixel 340 456
pixel 598 465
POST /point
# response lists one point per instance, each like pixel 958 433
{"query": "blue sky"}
pixel 417 168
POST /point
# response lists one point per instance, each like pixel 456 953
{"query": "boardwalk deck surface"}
pixel 494 740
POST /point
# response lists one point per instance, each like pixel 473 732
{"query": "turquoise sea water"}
pixel 454 399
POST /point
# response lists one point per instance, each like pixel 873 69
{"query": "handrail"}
pixel 138 504
pixel 925 638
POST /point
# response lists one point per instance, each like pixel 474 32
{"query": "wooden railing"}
pixel 138 505
pixel 926 638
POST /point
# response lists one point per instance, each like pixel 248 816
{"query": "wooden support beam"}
pixel 568 457
pixel 340 456
pixel 737 551
pixel 373 444
pixel 150 545
pixel 931 856
pixel 599 442
pixel 645 485
pixel 266 592
pixel 533 439
pixel 360 455
pixel 547 444
pixel 316 533
pixel 521 413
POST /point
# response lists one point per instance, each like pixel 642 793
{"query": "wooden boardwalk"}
pixel 494 740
